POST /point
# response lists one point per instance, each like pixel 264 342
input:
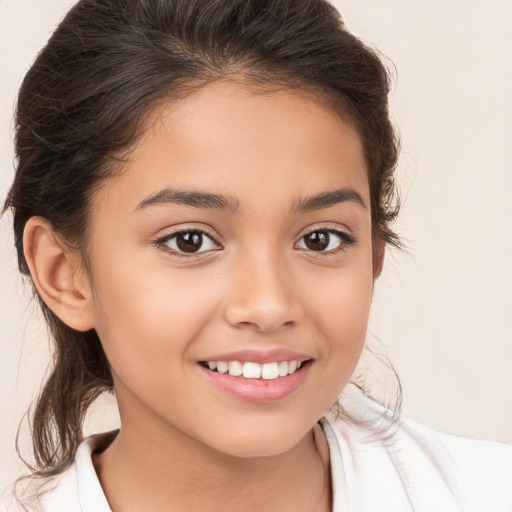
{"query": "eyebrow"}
pixel 207 200
pixel 326 199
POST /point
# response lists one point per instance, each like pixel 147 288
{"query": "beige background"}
pixel 445 311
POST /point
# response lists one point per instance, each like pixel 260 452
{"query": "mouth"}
pixel 254 382
pixel 252 370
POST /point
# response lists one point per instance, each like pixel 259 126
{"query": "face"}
pixel 237 235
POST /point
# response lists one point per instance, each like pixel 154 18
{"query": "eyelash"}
pixel 347 240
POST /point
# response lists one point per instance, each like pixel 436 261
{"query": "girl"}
pixel 203 197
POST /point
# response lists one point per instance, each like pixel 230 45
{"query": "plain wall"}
pixel 445 310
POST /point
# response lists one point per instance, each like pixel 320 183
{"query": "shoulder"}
pixel 486 468
pixel 434 471
pixel 57 493
pixel 77 489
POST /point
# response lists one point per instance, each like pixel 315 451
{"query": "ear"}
pixel 379 251
pixel 57 274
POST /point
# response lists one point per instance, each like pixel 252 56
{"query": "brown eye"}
pixel 326 240
pixel 188 241
pixel 317 241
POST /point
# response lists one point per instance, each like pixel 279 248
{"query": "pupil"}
pixel 189 242
pixel 318 240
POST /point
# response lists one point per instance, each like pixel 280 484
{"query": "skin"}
pixel 183 444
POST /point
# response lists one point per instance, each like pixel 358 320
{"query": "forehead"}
pixel 227 139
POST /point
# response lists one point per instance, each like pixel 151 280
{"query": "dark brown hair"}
pixel 82 105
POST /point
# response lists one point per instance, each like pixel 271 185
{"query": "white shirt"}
pixel 413 468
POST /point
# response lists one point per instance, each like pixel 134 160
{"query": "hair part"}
pixel 84 103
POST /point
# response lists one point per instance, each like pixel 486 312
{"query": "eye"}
pixel 190 241
pixel 326 241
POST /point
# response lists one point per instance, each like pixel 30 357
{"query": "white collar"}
pixel 93 499
pixel 90 492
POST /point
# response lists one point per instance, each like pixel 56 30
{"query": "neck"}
pixel 148 469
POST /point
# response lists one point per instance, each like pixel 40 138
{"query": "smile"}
pixel 256 382
pixel 252 370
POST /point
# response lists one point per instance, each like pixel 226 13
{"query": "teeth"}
pixel 283 369
pixel 250 370
pixel 269 371
pixel 222 367
pixel 235 368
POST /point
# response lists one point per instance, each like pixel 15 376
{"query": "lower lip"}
pixel 258 390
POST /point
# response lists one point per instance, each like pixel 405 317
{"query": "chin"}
pixel 249 450
pixel 260 441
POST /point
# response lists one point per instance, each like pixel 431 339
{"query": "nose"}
pixel 262 295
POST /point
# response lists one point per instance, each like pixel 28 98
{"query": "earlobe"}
pixel 56 274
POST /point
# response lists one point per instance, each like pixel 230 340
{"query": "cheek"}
pixel 149 316
pixel 341 310
pixel 341 300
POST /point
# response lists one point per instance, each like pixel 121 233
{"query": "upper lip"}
pixel 259 356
